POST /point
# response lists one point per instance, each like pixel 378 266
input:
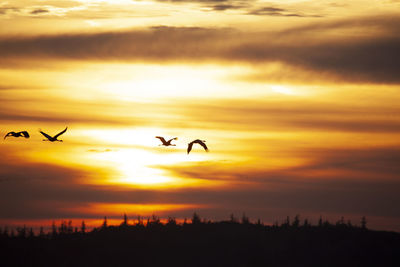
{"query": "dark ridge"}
pixel 202 243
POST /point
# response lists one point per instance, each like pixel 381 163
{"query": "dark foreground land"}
pixel 199 243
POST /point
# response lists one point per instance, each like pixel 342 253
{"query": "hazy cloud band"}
pixel 368 59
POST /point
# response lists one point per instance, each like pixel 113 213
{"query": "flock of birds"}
pixel 55 138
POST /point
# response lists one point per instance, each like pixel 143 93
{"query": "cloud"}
pixel 363 181
pixel 356 182
pixel 223 7
pixel 235 115
pixel 253 115
pixel 367 58
pixel 274 11
pixel 217 5
pixel 5 10
pixel 39 11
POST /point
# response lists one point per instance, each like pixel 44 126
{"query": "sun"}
pixel 282 89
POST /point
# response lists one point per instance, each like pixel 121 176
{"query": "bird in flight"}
pixel 166 143
pixel 53 138
pixel 197 141
pixel 18 134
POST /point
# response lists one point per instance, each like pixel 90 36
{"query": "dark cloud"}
pixel 39 11
pixel 363 182
pixel 224 7
pixel 217 5
pixel 273 11
pixel 365 59
pixel 5 10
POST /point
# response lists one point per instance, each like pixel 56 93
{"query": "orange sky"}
pixel 298 102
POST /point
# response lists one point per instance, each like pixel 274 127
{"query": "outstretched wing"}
pixel 7 135
pixel 203 145
pixel 189 147
pixel 46 135
pixel 161 139
pixel 25 134
pixel 175 138
pixel 60 133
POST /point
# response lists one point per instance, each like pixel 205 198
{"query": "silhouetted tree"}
pixel 139 221
pixel 63 228
pixel 125 222
pixel 53 229
pixel 83 227
pixel 245 219
pixel 320 221
pixel 296 221
pixel 364 222
pixel 70 228
pixel 171 221
pixel 286 223
pixel 41 232
pixel 155 221
pixel 349 224
pixel 341 222
pixel 306 223
pixel 31 233
pixel 232 218
pixel 21 231
pixel 5 233
pixel 104 225
pixel 196 219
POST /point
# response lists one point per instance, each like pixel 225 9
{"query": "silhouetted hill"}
pixel 226 243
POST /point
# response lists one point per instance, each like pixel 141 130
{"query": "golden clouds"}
pixel 313 49
pixel 299 108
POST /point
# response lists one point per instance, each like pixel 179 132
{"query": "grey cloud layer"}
pixel 366 59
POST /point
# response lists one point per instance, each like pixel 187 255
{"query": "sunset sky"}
pixel 298 101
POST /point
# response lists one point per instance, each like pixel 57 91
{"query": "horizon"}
pixel 298 103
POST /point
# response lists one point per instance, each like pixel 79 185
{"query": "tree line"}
pixel 67 228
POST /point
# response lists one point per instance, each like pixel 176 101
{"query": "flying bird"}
pixel 18 134
pixel 53 138
pixel 166 143
pixel 197 141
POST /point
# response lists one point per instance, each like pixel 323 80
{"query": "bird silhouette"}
pixel 18 134
pixel 166 143
pixel 53 138
pixel 197 141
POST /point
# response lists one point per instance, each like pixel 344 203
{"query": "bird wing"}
pixel 175 138
pixel 203 145
pixel 60 133
pixel 25 134
pixel 7 135
pixel 46 135
pixel 189 147
pixel 161 139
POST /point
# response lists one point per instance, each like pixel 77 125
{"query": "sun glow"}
pixel 137 157
pixel 114 209
pixel 282 90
